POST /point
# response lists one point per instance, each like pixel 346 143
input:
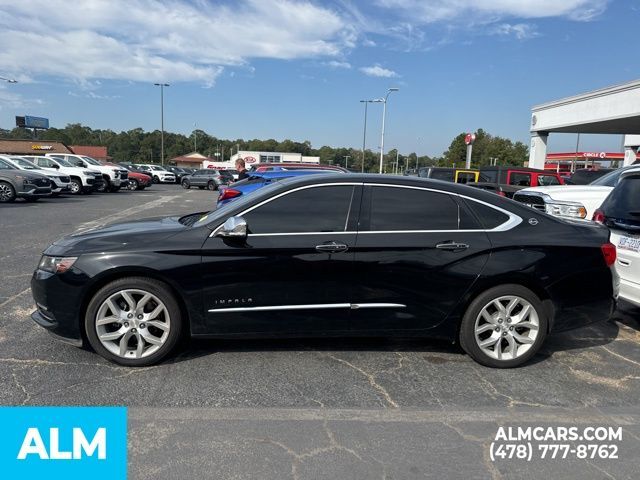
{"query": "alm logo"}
pixel 34 445
pixel 64 442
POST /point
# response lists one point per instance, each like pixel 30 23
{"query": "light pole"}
pixel 346 160
pixel 384 113
pixel 9 80
pixel 161 85
pixel 364 135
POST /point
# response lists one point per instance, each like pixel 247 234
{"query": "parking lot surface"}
pixel 328 408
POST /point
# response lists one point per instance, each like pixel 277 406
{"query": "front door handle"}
pixel 452 246
pixel 332 247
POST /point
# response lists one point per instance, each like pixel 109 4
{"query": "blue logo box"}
pixel 63 442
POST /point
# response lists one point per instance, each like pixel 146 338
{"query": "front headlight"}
pixel 572 210
pixel 87 173
pixel 56 264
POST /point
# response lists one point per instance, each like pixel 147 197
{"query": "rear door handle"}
pixel 332 247
pixel 452 246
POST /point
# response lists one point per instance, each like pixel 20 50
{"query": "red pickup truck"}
pixel 505 181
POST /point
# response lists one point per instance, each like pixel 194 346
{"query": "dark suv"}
pixel 16 183
pixel 208 178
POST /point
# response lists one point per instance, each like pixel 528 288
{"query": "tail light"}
pixel 598 216
pixel 609 253
pixel 228 193
pixel 501 193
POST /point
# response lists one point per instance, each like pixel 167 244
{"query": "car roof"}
pixel 515 167
pixel 294 173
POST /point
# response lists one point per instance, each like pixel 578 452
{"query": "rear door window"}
pixel 624 201
pixel 446 175
pixel 546 180
pixel 466 177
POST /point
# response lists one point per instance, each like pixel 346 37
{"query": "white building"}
pixel 251 158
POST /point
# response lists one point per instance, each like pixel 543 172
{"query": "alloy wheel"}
pixel 132 323
pixel 6 192
pixel 75 187
pixel 133 184
pixel 506 327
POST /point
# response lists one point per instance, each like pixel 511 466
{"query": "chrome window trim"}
pixel 512 222
pixel 311 306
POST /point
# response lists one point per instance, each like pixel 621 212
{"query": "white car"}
pixel 159 174
pixel 571 201
pixel 60 182
pixel 82 180
pixel 113 176
pixel 621 213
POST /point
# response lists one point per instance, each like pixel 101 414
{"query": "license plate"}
pixel 629 243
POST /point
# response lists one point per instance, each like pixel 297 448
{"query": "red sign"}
pixel 469 138
pixel 249 160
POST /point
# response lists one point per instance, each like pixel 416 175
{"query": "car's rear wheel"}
pixel 186 184
pixel 156 179
pixel 7 192
pixel 504 326
pixel 134 321
pixel 133 184
pixel 211 185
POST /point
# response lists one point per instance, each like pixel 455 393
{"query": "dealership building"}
pixel 252 157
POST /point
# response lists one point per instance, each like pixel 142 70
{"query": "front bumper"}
pixel 31 191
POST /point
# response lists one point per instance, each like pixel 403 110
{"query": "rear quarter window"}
pixel 488 217
pixel 624 201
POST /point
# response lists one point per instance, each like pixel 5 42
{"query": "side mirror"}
pixel 80 163
pixel 234 227
pixel 56 166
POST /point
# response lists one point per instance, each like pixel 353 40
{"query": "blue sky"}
pixel 297 69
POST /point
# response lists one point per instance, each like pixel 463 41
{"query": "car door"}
pixel 418 251
pixel 293 273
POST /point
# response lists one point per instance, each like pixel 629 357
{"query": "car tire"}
pixel 115 189
pixel 133 184
pixel 126 295
pixel 186 185
pixel 7 192
pixel 156 179
pixel 105 187
pixel 490 332
pixel 212 185
pixel 75 187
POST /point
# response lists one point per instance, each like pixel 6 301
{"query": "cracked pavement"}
pixel 311 409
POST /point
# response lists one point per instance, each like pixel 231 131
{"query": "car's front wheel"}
pixel 7 192
pixel 75 186
pixel 134 321
pixel 133 184
pixel 156 179
pixel 212 185
pixel 504 326
pixel 186 185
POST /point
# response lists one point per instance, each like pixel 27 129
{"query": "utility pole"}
pixel 161 85
pixel 346 160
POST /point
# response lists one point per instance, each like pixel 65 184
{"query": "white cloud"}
pixel 337 64
pixel 522 31
pixel 477 11
pixel 378 71
pixel 14 100
pixel 162 40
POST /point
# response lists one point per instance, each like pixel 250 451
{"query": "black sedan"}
pixel 328 256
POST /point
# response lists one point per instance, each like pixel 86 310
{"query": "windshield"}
pixel 91 161
pixel 610 179
pixel 4 165
pixel 27 165
pixel 61 161
pixel 156 168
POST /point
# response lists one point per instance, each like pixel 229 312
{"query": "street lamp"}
pixel 161 85
pixel 384 113
pixel 9 80
pixel 364 135
pixel 346 160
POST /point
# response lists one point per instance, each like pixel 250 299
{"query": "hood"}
pixel 569 192
pixel 117 236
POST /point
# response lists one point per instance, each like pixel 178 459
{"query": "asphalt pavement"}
pixel 311 409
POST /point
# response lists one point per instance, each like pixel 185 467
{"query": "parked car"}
pixel 208 178
pixel 258 180
pixel 620 212
pixel 266 167
pixel 179 172
pixel 571 201
pixel 83 180
pixel 158 174
pixel 16 183
pixel 457 175
pixel 331 255
pixel 505 181
pixel 234 173
pixel 112 175
pixel 134 168
pixel 135 180
pixel 584 176
pixel 60 183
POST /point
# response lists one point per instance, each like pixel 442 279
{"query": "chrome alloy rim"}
pixel 132 323
pixel 506 327
pixel 5 191
pixel 75 188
